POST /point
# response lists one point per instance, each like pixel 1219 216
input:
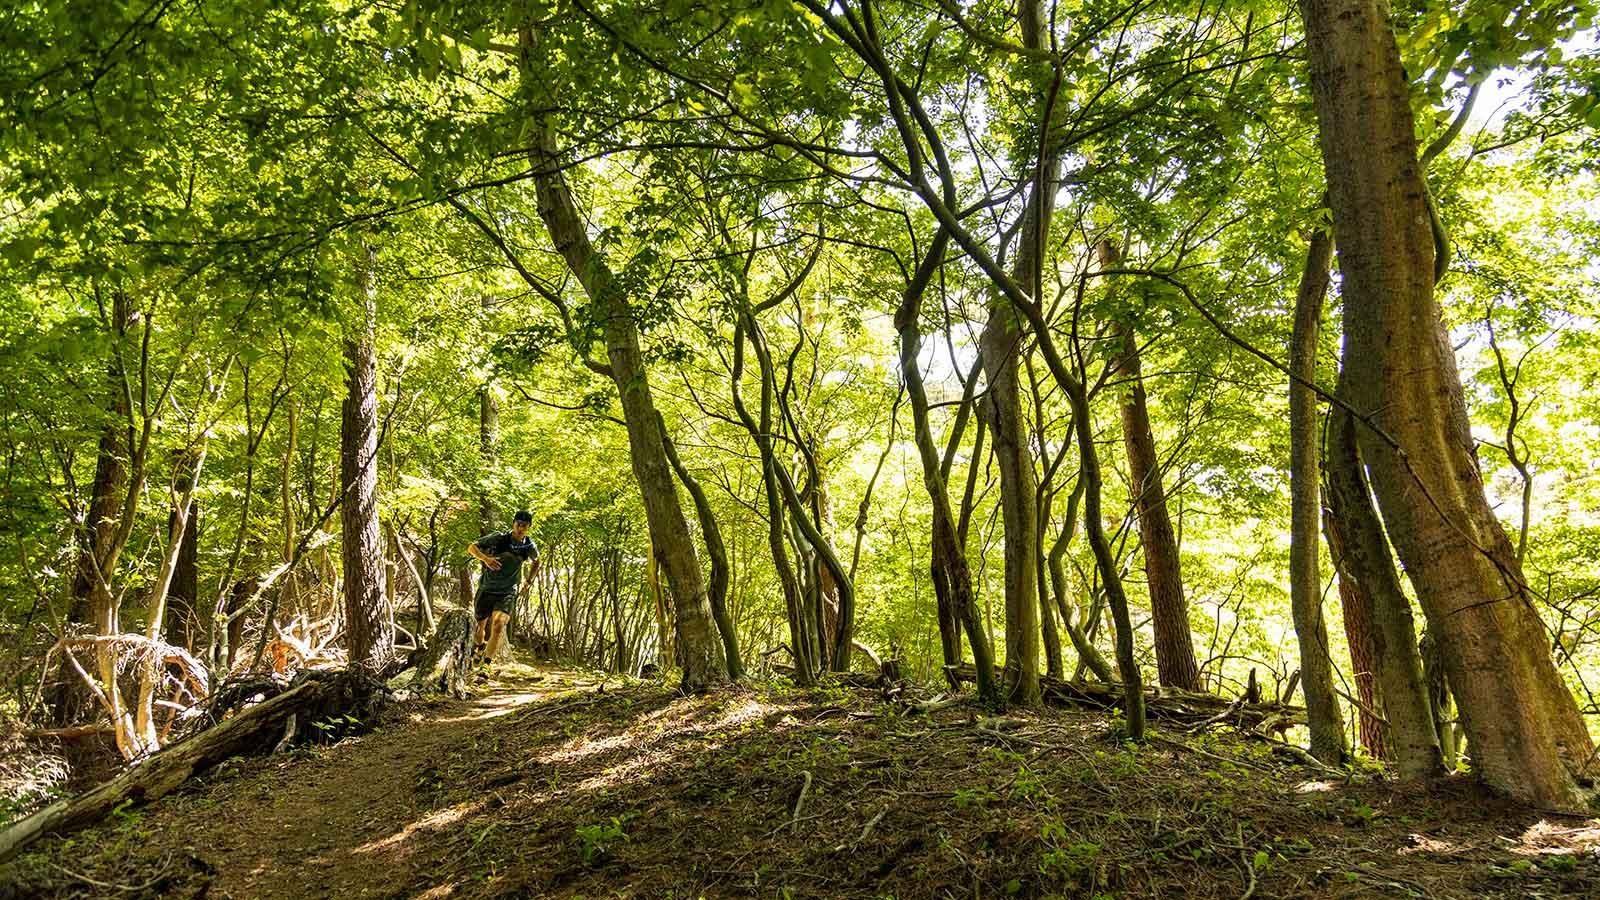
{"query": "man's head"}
pixel 520 523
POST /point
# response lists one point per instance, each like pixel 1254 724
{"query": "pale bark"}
pixel 1526 734
pixel 1305 543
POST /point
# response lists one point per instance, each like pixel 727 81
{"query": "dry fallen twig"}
pixel 794 819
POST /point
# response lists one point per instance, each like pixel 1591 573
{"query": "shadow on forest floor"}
pixel 564 784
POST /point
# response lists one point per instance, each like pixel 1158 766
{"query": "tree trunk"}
pixel 488 439
pixel 1169 609
pixel 182 626
pixel 1305 567
pixel 1526 734
pixel 1364 558
pixel 950 570
pixel 718 551
pixel 369 620
pixel 1089 655
pixel 800 639
pixel 698 647
pixel 1356 604
pixel 1094 528
pixel 1001 346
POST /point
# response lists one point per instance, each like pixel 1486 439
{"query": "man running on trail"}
pixel 502 554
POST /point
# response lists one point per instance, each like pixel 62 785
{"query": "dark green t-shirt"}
pixel 512 553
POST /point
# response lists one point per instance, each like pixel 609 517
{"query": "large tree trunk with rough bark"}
pixel 1305 542
pixel 1523 726
pixel 1363 558
pixel 698 648
pixel 369 620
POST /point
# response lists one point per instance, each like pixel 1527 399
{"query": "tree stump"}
pixel 442 666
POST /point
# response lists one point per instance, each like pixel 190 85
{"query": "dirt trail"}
pixel 566 785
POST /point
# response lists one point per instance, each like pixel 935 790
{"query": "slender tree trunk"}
pixel 1305 567
pixel 1001 346
pixel 800 642
pixel 1356 604
pixel 1364 559
pixel 1526 734
pixel 369 620
pixel 1043 497
pixel 1094 528
pixel 718 552
pixel 1169 609
pixel 698 646
pixel 488 441
pixel 949 557
pixel 1089 655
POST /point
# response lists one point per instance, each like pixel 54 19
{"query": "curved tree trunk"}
pixel 950 570
pixel 1364 559
pixel 369 620
pixel 698 648
pixel 718 551
pixel 1305 565
pixel 1526 734
pixel 800 643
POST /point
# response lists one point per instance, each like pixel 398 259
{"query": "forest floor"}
pixel 565 784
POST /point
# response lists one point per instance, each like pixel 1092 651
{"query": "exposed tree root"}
pixel 330 700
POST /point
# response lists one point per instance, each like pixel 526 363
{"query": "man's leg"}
pixel 497 633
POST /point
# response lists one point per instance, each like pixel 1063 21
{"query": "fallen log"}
pixel 259 727
pixel 1172 704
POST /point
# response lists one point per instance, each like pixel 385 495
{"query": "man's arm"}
pixel 476 552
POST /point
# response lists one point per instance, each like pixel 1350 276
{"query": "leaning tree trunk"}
pixel 1169 609
pixel 697 645
pixel 1305 561
pixel 800 638
pixel 1526 734
pixel 1364 559
pixel 717 551
pixel 369 620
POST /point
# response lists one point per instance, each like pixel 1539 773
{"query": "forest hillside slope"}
pixel 564 784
